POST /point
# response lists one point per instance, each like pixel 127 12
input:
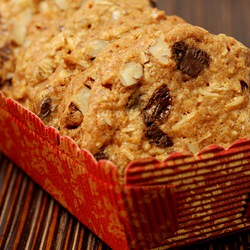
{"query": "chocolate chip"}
pixel 45 109
pixel 5 82
pixel 5 52
pixel 101 155
pixel 73 108
pixel 74 117
pixel 190 60
pixel 153 3
pixel 244 85
pixel 158 107
pixel 157 137
pixel 107 85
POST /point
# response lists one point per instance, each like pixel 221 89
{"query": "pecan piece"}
pixel 190 60
pixel 131 74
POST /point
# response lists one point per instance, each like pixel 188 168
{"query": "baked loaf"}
pixel 16 17
pixel 125 81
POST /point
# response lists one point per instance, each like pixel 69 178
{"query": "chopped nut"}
pixel 62 4
pixel 194 147
pixel 20 26
pixel 116 14
pixel 158 15
pixel 144 57
pixel 43 6
pixel 161 51
pixel 95 47
pixel 131 74
pixel 45 68
pixel 236 103
pixel 108 120
pixel 81 99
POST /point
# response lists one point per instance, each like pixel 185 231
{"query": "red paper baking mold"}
pixel 181 200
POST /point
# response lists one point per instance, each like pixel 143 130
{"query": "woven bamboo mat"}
pixel 31 219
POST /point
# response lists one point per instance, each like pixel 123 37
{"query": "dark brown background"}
pixel 31 219
pixel 231 17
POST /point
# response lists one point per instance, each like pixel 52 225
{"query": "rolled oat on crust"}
pixel 126 81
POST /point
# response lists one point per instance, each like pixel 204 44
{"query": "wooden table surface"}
pixel 31 219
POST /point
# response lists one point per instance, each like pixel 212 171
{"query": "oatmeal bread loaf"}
pixel 68 46
pixel 125 81
pixel 11 34
pixel 16 16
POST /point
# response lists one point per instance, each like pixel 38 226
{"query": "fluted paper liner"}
pixel 166 204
